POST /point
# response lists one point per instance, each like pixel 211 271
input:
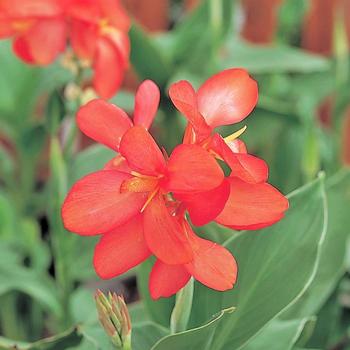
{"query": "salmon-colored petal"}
pixel 121 249
pixel 32 8
pixel 166 280
pixel 244 166
pixel 227 97
pixel 192 169
pixel 118 163
pixel 117 16
pixel 6 28
pixel 164 235
pixel 95 205
pixel 185 100
pixel 42 42
pixel 213 265
pixel 146 103
pixel 237 146
pixel 250 205
pixel 141 151
pixel 84 10
pixel 83 38
pixel 204 207
pixel 103 122
pixel 108 68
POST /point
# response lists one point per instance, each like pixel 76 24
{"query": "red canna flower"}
pixel 99 34
pixel 97 31
pixel 138 203
pixel 244 200
pixel 38 28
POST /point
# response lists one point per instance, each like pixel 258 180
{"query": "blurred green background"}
pixel 298 51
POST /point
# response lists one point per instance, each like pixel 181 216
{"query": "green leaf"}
pixel 272 59
pixel 146 334
pixel 197 338
pixel 15 277
pixel 278 335
pixel 61 341
pixel 276 266
pixel 201 33
pixel 147 58
pixel 332 262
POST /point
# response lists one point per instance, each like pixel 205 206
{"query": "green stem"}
pixel 182 309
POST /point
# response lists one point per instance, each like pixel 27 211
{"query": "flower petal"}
pixel 83 38
pixel 95 205
pixel 141 152
pixel 192 169
pixel 146 103
pixel 244 166
pixel 103 122
pixel 185 100
pixel 118 163
pixel 108 68
pixel 42 42
pixel 121 249
pixel 164 235
pixel 165 280
pixel 213 265
pixel 227 97
pixel 204 207
pixel 250 205
pixel 32 8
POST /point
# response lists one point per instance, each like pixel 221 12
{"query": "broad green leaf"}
pixel 61 341
pixel 278 335
pixel 146 334
pixel 147 58
pixel 272 59
pixel 196 338
pixel 276 266
pixel 15 277
pixel 332 262
pixel 201 33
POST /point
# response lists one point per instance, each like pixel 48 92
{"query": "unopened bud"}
pixel 115 319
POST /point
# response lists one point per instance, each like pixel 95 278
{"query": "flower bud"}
pixel 114 318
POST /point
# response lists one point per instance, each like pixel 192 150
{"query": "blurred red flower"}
pixel 96 30
pixel 140 200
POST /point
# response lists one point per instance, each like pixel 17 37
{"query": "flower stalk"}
pixel 182 309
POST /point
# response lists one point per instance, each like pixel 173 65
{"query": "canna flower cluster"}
pixel 143 201
pixel 96 29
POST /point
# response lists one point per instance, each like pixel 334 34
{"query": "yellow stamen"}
pixel 149 199
pixel 235 135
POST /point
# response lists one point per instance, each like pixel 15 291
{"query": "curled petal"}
pixel 204 207
pixel 227 97
pixel 103 122
pixel 252 206
pixel 192 169
pixel 237 146
pixel 108 68
pixel 185 100
pixel 244 166
pixel 213 265
pixel 146 103
pixel 165 280
pixel 95 205
pixel 121 249
pixel 141 152
pixel 164 235
pixel 41 44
